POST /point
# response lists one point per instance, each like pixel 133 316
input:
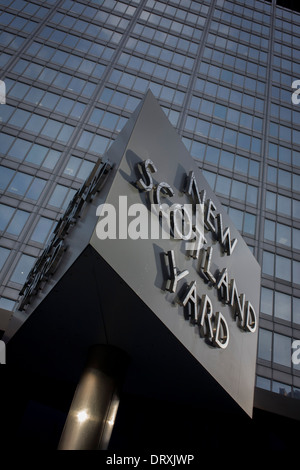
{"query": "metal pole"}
pixel 95 404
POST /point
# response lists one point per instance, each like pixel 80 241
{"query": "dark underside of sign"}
pixel 168 400
pixel 83 309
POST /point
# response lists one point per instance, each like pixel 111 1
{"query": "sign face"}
pixel 163 230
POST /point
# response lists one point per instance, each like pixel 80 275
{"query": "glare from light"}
pixel 82 416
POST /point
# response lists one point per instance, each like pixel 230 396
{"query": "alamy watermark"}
pixel 2 352
pixel 2 92
pixel 296 353
pixel 177 221
pixel 296 93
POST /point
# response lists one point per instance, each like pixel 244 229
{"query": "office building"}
pixel 222 71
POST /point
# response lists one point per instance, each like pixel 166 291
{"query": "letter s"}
pixel 145 169
pixel 295 98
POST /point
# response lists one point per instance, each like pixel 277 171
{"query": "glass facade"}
pixel 222 72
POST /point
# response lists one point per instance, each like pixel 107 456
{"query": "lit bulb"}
pixel 82 416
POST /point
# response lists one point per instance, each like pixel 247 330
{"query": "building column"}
pixel 92 414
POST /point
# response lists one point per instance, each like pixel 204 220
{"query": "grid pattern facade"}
pixel 222 71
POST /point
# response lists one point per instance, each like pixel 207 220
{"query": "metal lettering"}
pixel 182 229
pixel 207 263
pixel 196 244
pixel 163 188
pixel 221 332
pixel 223 286
pixel 191 188
pixel 47 263
pixel 97 179
pixel 224 237
pixel 175 276
pixel 145 169
pixel 250 318
pixel 205 314
pixel 191 298
pixel 237 301
pixel 210 216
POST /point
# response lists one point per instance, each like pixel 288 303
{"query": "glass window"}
pixel 34 95
pixel 241 164
pixel 35 123
pixel 51 159
pixel 96 116
pixel 77 110
pixel 244 141
pixel 17 223
pixel 269 232
pixel 72 166
pixel 99 144
pixel 282 306
pixel 5 142
pixel 238 190
pixel 36 189
pixel 253 169
pixel 42 230
pixel 85 140
pixel 266 301
pixel 22 269
pixel 264 344
pixel 237 218
pixel 283 205
pixel 282 389
pixel 19 118
pixel 284 178
pixel 226 159
pixel 52 129
pixel 5 176
pixel 296 209
pixel 20 183
pixel 296 310
pixel 58 196
pixel 212 154
pixel 4 252
pixel 19 148
pixel 65 133
pixel 6 213
pixel 296 272
pixel 262 382
pixel 271 201
pixel 64 106
pixel 282 350
pixel 283 268
pixel 249 223
pixel 85 170
pixel 216 132
pixel 252 193
pixel 223 185
pixel 210 178
pixel 296 239
pixel 272 174
pixel 283 234
pixel 230 137
pixel 220 111
pixel 268 263
pixel 68 198
pixel 37 154
pixel 7 304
